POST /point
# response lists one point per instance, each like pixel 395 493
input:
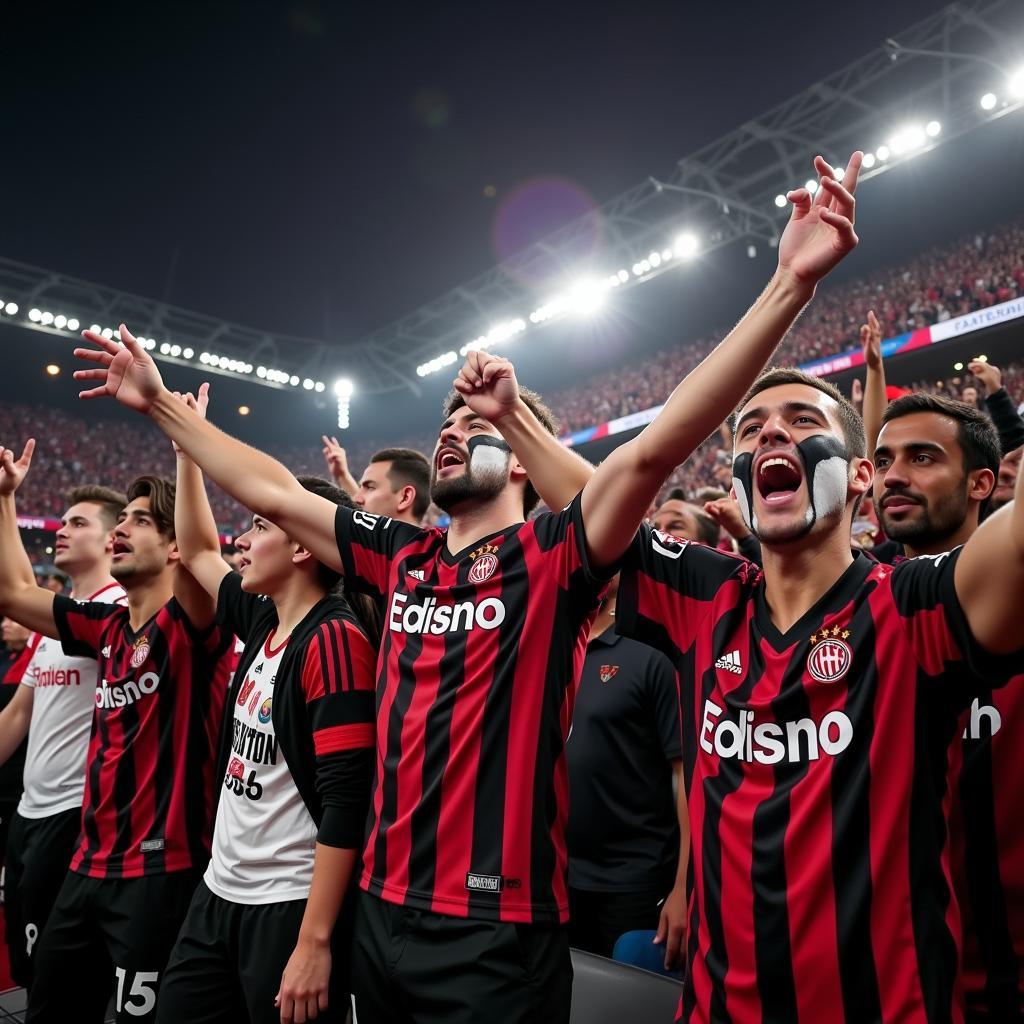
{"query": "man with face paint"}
pixel 485 633
pixel 820 697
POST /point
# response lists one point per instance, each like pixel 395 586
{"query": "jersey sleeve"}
pixel 367 543
pixel 237 611
pixel 563 541
pixel 936 625
pixel 668 587
pixel 663 694
pixel 338 682
pixel 83 625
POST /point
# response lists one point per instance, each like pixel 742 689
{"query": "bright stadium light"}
pixel 319 387
pixel 34 315
pixel 988 101
pixel 188 353
pixel 175 350
pixel 165 349
pixel 933 129
pixel 686 245
pixel 869 161
pixel 46 318
pixel 11 308
pixel 1016 83
pixel 307 384
pixel 780 200
pixel 60 320
pixel 343 387
pixel 435 364
pixel 882 153
pixel 906 139
pixel 73 324
pixel 588 296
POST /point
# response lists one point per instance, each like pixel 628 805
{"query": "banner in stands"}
pixel 954 327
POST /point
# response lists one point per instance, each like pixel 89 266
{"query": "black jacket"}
pixel 323 708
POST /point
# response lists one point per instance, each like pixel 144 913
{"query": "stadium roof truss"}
pixel 726 191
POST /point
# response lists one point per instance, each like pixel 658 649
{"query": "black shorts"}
pixel 227 964
pixel 39 851
pixel 414 967
pixel 107 935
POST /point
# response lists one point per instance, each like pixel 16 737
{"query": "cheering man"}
pixel 147 815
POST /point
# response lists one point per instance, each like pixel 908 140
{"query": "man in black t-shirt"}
pixel 627 869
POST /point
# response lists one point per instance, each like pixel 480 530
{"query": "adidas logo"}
pixel 105 652
pixel 418 574
pixel 730 662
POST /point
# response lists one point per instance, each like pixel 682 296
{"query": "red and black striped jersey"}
pixel 816 763
pixel 149 791
pixel 987 833
pixel 476 679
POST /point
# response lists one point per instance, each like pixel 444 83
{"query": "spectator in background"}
pixel 676 516
pixel 55 581
pixel 998 404
pixel 1009 467
pixel 395 483
pixel 628 836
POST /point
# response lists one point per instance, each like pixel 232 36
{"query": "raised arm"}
pixel 337 464
pixel 194 526
pixel 819 234
pixel 989 577
pixel 20 598
pixel 128 373
pixel 874 389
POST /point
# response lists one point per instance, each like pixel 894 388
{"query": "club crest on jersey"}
pixel 607 672
pixel 140 651
pixel 830 656
pixel 264 715
pixel 485 564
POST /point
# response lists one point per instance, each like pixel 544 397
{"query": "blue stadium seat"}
pixel 638 950
pixel 606 992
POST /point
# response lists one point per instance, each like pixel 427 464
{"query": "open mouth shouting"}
pixel 448 457
pixel 777 477
pixel 120 548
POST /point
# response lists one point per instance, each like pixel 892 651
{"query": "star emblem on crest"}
pixel 486 549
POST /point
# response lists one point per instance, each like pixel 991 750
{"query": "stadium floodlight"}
pixel 95 328
pixel 34 315
pixel 308 384
pixel 686 245
pixel 293 380
pixel 73 324
pixel 60 320
pixel 52 369
pixel 906 139
pixel 869 161
pixel 811 184
pixel 958 366
pixel 1016 83
pixel 107 333
pixel 46 318
pixel 11 308
pixel 187 353
pixel 165 349
pixel 988 101
pixel 623 276
pixel 431 365
pixel 343 387
pixel 204 357
pixel 175 351
pixel 244 410
pixel 319 387
pixel 497 334
pixel 933 129
pixel 882 153
pixel 780 200
pixel 588 296
pixel 261 372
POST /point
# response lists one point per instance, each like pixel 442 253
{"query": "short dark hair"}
pixel 675 494
pixel 111 503
pixel 975 433
pixel 709 494
pixel 331 580
pixel 409 468
pixel 535 404
pixel 161 501
pixel 849 419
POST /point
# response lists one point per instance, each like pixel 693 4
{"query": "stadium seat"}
pixel 606 992
pixel 638 950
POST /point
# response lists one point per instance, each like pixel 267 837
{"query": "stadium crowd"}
pixel 330 779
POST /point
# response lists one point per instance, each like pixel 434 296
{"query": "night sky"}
pixel 320 169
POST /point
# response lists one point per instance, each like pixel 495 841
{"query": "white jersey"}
pixel 58 734
pixel 264 838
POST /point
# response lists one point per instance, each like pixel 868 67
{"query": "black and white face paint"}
pixel 488 459
pixel 826 470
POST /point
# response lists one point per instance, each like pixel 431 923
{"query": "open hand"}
pixel 820 230
pixel 488 383
pixel 871 341
pixel 198 405
pixel 124 371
